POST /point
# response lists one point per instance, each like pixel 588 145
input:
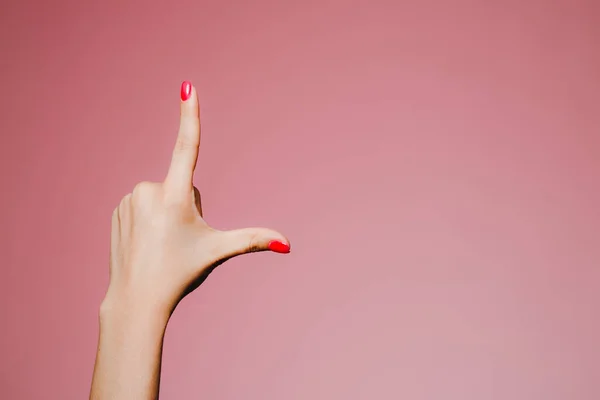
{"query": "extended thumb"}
pixel 251 240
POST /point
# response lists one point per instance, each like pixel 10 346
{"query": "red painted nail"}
pixel 279 247
pixel 186 90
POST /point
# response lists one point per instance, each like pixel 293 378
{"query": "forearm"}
pixel 129 354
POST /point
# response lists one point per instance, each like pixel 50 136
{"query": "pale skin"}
pixel 161 250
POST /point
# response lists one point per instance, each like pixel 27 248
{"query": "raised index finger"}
pixel 180 175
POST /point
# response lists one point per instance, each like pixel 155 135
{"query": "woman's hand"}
pixel 161 249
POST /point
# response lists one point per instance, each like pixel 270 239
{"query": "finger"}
pixel 250 240
pixel 181 172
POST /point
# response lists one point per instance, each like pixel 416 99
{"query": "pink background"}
pixel 435 164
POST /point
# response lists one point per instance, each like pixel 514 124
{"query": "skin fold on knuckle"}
pixel 185 144
pixel 189 137
pixel 254 244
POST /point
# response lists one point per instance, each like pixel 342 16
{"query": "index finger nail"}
pixel 186 90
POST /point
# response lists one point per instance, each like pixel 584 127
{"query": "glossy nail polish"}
pixel 279 247
pixel 186 90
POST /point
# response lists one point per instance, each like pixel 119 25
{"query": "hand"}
pixel 161 248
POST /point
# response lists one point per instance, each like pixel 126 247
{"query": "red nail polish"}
pixel 279 247
pixel 186 90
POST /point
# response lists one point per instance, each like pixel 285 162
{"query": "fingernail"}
pixel 279 247
pixel 186 90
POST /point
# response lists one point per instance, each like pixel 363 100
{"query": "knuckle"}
pixel 122 207
pixel 115 215
pixel 184 145
pixel 142 189
pixel 253 243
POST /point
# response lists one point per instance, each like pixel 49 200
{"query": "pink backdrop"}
pixel 435 164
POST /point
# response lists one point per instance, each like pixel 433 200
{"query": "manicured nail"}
pixel 279 247
pixel 186 90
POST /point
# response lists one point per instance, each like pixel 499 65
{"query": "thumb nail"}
pixel 279 247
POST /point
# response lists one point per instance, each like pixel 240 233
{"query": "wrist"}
pixel 120 309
